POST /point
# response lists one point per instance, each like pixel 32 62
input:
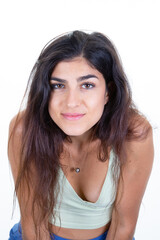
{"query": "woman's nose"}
pixel 73 99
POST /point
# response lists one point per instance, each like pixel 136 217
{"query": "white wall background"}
pixel 133 25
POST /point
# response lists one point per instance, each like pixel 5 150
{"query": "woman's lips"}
pixel 72 116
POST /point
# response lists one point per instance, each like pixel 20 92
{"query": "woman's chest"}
pixel 87 183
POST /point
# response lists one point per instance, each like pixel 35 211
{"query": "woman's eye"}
pixel 88 85
pixel 57 86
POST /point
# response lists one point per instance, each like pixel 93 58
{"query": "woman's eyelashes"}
pixel 56 86
pixel 88 85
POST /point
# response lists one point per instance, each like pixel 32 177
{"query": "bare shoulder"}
pixel 16 124
pixel 140 126
pixel 15 131
pixel 142 142
pixel 14 142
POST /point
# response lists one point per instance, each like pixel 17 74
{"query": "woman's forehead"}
pixel 78 66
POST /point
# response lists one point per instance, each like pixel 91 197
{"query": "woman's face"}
pixel 78 96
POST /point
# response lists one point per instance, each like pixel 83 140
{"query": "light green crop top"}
pixel 73 212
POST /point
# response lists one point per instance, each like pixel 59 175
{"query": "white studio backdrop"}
pixel 132 25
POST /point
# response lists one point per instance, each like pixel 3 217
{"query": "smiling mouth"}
pixel 72 116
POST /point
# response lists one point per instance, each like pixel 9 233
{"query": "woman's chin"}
pixel 75 133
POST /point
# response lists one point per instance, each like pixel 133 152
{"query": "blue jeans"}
pixel 16 234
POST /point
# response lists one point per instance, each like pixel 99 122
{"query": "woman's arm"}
pixel 131 187
pixel 25 201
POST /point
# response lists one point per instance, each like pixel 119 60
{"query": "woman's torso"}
pixel 87 184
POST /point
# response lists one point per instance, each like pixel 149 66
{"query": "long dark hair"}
pixel 42 139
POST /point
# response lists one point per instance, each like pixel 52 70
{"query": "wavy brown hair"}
pixel 42 139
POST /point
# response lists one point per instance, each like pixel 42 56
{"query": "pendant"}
pixel 77 170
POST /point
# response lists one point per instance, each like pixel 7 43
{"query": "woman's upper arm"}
pixel 133 179
pixel 14 148
pixel 25 201
pixel 135 174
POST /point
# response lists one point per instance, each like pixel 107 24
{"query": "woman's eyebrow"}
pixel 79 79
pixel 82 78
pixel 58 79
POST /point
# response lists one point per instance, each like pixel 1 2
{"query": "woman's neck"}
pixel 79 143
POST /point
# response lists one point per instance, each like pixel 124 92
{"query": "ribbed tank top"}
pixel 73 212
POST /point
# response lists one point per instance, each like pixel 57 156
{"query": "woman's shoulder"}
pixel 139 126
pixel 15 136
pixel 14 142
pixel 16 124
pixel 140 144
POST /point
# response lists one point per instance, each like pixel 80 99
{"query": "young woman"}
pixel 81 153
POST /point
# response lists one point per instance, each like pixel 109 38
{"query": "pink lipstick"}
pixel 72 116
